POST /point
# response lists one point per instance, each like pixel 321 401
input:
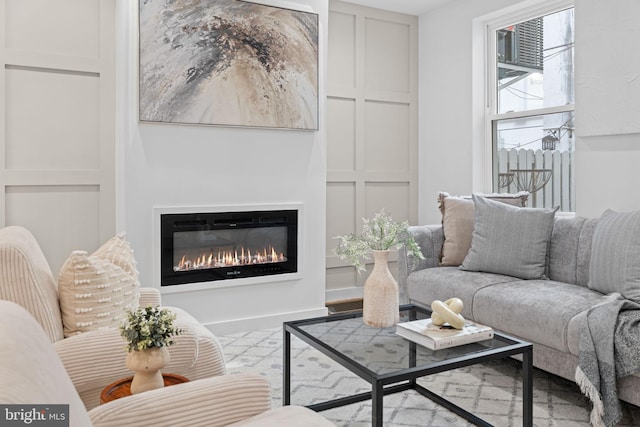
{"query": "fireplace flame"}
pixel 229 259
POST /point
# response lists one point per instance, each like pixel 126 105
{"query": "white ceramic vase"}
pixel 380 304
pixel 146 365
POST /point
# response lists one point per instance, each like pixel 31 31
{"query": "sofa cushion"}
pixel 457 222
pixel 615 254
pixel 584 251
pixel 509 240
pixel 537 310
pixel 563 251
pixel 442 283
pixel 94 293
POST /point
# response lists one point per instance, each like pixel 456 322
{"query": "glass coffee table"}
pixel 348 341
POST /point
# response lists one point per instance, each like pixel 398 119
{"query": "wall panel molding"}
pixel 57 122
pixel 373 64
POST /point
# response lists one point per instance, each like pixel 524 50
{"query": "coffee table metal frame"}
pixel 405 379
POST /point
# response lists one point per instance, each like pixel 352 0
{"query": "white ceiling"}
pixel 411 7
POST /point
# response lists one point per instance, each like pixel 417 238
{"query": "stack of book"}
pixel 425 333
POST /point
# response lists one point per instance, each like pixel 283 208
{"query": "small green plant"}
pixel 378 234
pixel 149 327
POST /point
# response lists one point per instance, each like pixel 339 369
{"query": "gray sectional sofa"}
pixel 548 313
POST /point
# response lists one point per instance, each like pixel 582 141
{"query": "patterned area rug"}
pixel 491 391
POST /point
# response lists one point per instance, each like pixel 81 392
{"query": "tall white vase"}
pixel 380 304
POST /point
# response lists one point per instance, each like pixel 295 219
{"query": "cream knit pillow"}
pixel 94 291
pixel 118 251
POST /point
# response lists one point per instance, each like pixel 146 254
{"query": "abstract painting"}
pixel 228 62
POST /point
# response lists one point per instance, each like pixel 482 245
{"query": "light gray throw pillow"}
pixel 509 240
pixel 615 254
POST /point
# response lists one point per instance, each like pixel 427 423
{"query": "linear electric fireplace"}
pixel 204 247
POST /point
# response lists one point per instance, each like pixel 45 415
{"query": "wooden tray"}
pixel 122 388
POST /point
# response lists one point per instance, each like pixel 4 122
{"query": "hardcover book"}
pixel 425 333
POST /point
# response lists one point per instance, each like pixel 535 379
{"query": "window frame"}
pixel 485 101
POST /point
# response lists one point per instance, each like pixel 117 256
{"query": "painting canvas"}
pixel 228 62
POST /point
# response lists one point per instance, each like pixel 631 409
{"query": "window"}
pixel 531 107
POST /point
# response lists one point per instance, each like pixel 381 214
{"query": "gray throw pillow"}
pixel 457 222
pixel 509 240
pixel 615 254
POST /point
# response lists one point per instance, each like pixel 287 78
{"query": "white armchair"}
pixel 95 358
pixel 32 373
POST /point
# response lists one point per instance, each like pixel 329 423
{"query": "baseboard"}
pixel 262 322
pixel 343 294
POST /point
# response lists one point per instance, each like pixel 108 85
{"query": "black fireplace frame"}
pixel 180 222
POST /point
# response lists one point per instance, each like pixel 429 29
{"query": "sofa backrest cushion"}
pixel 584 251
pixel 563 250
pixel 570 250
pixel 615 255
pixel 30 371
pixel 26 279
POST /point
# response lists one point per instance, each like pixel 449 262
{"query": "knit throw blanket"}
pixel 609 349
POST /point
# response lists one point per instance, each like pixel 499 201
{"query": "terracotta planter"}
pixel 146 365
pixel 380 304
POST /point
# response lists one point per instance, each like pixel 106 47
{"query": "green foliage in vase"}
pixel 149 327
pixel 380 233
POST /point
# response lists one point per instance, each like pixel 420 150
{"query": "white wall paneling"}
pixel 372 139
pixel 58 215
pixel 57 122
pixel 41 112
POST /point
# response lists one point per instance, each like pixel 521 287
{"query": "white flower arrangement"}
pixel 378 234
pixel 149 327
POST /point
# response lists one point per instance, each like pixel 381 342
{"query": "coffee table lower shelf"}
pixel 398 388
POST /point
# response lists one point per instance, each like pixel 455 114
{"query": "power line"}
pixel 539 139
pixel 528 96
